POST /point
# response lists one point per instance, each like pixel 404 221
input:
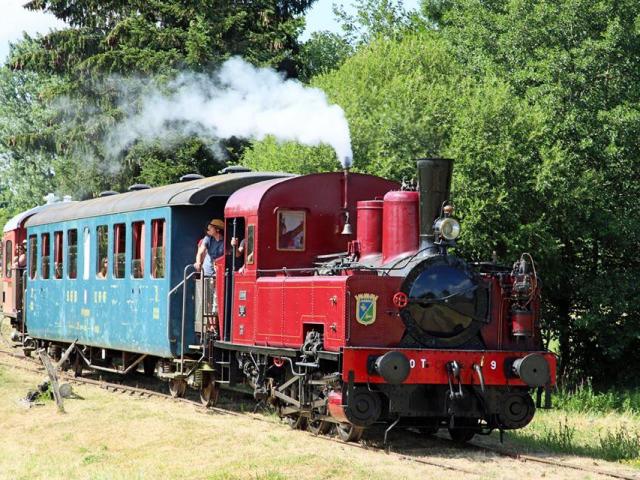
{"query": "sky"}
pixel 14 20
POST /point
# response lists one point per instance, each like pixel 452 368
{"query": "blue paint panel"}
pixel 126 314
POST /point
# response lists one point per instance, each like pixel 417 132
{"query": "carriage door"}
pixel 234 260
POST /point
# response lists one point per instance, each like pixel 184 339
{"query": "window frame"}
pixel 8 257
pixel 68 254
pixel 138 240
pixel 250 252
pixel 45 249
pixel 32 256
pixel 99 256
pixel 155 244
pixel 86 252
pixel 119 241
pixel 58 254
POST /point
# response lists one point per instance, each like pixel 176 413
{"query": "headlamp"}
pixel 448 228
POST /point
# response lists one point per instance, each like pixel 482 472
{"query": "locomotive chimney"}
pixel 434 184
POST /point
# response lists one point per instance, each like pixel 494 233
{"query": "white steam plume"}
pixel 239 100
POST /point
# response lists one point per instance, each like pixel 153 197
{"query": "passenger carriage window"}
pixel 2 247
pixel 119 249
pixel 102 246
pixel 33 256
pixel 45 258
pixel 8 258
pixel 137 249
pixel 157 249
pixel 291 230
pixel 72 253
pixel 86 249
pixel 57 255
pixel 250 241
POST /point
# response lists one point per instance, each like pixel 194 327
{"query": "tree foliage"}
pixel 110 43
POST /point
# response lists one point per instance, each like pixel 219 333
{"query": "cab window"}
pixel 251 235
pixel 291 230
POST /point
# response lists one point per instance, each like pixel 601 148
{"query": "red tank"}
pixel 370 227
pixel 400 224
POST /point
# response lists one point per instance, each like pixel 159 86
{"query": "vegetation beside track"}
pixel 605 436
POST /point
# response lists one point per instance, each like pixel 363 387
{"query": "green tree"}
pixel 322 53
pixel 27 171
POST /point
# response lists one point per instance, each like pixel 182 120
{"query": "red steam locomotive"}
pixel 383 327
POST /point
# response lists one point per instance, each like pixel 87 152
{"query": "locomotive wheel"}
pixel 349 433
pixel 319 427
pixel 297 422
pixel 209 393
pixel 464 431
pixel 177 387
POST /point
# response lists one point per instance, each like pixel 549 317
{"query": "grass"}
pixel 612 436
pixel 585 399
pixel 107 436
pixel 598 424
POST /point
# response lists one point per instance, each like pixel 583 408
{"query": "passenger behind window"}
pixel 102 273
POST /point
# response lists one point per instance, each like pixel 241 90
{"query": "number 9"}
pixel 493 365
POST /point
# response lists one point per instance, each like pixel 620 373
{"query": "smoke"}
pixel 238 100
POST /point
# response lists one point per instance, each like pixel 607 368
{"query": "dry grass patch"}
pixel 107 436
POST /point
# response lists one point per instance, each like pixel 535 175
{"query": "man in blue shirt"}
pixel 211 247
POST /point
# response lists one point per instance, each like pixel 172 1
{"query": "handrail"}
pixel 171 292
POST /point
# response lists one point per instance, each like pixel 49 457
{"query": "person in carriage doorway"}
pixel 19 265
pixel 20 260
pixel 210 248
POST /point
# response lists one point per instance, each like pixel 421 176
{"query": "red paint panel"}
pixel 290 306
pixel 429 366
pixel 244 309
pixel 387 330
pixel 270 311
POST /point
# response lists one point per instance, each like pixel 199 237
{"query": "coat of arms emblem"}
pixel 366 308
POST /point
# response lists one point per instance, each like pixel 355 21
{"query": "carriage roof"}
pixel 196 192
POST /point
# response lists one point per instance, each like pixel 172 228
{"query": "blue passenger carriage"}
pixel 108 273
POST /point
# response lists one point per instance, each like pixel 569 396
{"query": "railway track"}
pixel 412 455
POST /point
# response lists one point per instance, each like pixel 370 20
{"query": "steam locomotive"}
pixel 332 328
